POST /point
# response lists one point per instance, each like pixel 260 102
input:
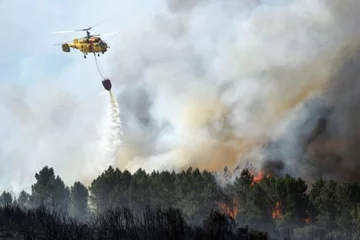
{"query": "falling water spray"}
pixel 115 114
pixel 115 127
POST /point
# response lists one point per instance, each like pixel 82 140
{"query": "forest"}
pixel 190 204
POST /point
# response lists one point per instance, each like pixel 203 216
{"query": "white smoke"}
pixel 44 125
pixel 208 82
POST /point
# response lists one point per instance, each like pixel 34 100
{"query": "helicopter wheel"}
pixel 98 54
pixel 84 56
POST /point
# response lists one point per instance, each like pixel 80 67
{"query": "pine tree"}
pixel 23 200
pixel 79 201
pixel 50 191
pixel 6 199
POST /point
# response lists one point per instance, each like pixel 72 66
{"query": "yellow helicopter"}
pixel 92 43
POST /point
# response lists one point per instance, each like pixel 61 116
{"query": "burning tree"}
pixel 229 207
pixel 276 214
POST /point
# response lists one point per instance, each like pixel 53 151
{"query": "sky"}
pixel 202 83
pixel 28 39
pixel 50 99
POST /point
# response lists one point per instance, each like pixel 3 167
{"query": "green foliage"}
pixel 139 190
pixel 6 199
pixel 162 187
pixel 278 205
pixel 79 201
pixel 23 200
pixel 50 191
pixel 195 192
pixel 111 188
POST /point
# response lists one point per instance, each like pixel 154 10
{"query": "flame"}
pixel 259 175
pixel 307 220
pixel 230 209
pixel 276 213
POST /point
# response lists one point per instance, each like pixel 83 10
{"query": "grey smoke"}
pixel 331 119
pixel 288 153
pixel 275 59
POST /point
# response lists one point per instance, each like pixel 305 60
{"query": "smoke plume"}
pixel 199 83
pixel 215 83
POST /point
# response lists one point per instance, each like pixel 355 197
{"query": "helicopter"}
pixel 91 43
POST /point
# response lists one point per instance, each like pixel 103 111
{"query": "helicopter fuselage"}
pixel 87 45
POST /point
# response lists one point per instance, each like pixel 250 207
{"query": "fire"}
pixel 276 213
pixel 307 220
pixel 229 209
pixel 258 177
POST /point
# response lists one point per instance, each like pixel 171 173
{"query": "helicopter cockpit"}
pixel 102 44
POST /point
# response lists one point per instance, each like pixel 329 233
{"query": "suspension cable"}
pixel 97 66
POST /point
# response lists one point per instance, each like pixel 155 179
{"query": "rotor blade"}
pixel 99 23
pixel 106 34
pixel 84 29
pixel 66 31
pixel 111 33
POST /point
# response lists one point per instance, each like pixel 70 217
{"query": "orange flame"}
pixel 276 213
pixel 307 220
pixel 258 177
pixel 229 209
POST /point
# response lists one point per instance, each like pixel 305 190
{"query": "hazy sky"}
pixel 51 102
